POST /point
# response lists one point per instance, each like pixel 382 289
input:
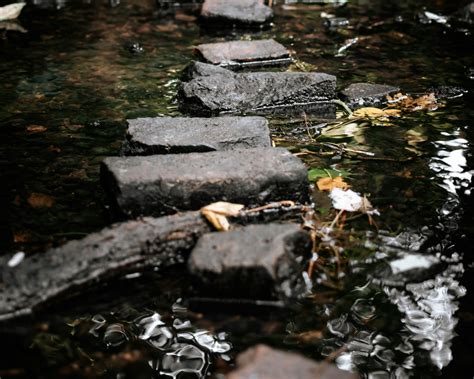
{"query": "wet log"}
pixel 112 252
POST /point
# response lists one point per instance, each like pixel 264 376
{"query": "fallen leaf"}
pixel 224 208
pixel 371 112
pixel 32 129
pixel 316 173
pixel 11 11
pixel 54 149
pixel 39 200
pixel 216 214
pixel 327 184
pixel 219 222
pixel 410 104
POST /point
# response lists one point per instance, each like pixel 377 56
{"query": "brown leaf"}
pixel 32 129
pixel 39 200
pixel 409 104
pixel 224 208
pixel 327 184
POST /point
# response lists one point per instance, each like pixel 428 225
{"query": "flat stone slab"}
pixel 176 135
pixel 239 54
pixel 365 94
pixel 257 261
pixel 264 362
pixel 115 251
pixel 164 184
pixel 235 12
pixel 226 92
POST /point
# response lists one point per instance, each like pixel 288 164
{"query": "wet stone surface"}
pixel 227 92
pixel 237 54
pixel 116 250
pixel 235 13
pixel 174 135
pixel 164 184
pixel 264 362
pixel 364 94
pixel 257 261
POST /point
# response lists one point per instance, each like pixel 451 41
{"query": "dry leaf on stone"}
pixel 11 11
pixel 327 184
pixel 39 200
pixel 216 214
pixel 224 208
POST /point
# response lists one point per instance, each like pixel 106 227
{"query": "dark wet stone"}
pixel 235 13
pixel 257 261
pixel 466 14
pixel 229 92
pixel 115 251
pixel 238 54
pixel 175 135
pixel 264 362
pixel 164 184
pixel 365 94
pixel 447 92
pixel 198 69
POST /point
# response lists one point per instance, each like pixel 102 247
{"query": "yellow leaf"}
pixel 371 112
pixel 327 184
pixel 218 221
pixel 224 208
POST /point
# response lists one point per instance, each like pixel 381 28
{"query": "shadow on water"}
pixel 401 308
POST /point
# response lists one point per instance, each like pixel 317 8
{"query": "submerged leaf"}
pixel 371 112
pixel 40 200
pixel 327 184
pixel 11 11
pixel 316 173
pixel 409 104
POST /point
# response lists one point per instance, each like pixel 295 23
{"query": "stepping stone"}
pixel 176 135
pixel 239 54
pixel 264 362
pixel 231 13
pixel 365 94
pixel 164 184
pixel 256 261
pixel 196 70
pixel 259 92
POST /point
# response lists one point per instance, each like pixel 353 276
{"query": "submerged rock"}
pixel 365 94
pixel 263 362
pixel 164 184
pixel 235 13
pixel 257 261
pixel 112 252
pixel 237 54
pixel 174 135
pixel 228 92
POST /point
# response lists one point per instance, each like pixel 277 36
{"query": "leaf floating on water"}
pixel 371 112
pixel 11 11
pixel 316 173
pixel 216 214
pixel 348 200
pixel 40 200
pixel 327 184
pixel 409 104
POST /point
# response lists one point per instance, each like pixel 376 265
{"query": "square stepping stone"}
pixel 365 94
pixel 235 13
pixel 239 54
pixel 165 184
pixel 256 261
pixel 176 135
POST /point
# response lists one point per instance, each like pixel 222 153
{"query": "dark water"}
pixel 399 302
